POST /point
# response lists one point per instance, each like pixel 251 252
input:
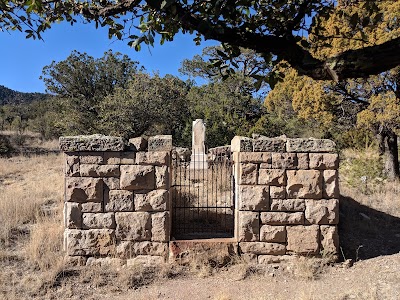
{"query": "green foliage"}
pixel 5 145
pixel 11 97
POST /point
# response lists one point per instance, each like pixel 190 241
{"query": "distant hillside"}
pixel 9 96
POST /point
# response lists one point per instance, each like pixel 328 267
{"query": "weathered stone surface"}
pixel 275 259
pixel 137 177
pixel 128 158
pixel 91 157
pixel 282 218
pixel 93 207
pixel 135 226
pixel 96 142
pixel 284 161
pixel 253 197
pixel 71 165
pixel 160 227
pixel 277 192
pixel 90 242
pixel 331 184
pixel 249 258
pixel 138 144
pixel 160 143
pixel 272 177
pixel 324 161
pixel 112 157
pixel 145 260
pixel 275 234
pixel 119 200
pixel 129 249
pixel 303 239
pixel 265 144
pixel 162 177
pixel 248 174
pixel 304 184
pixel 322 212
pixel 262 248
pixel 241 144
pixel 72 215
pixel 156 200
pixel 288 205
pixel 255 157
pixel 157 158
pixel 310 145
pixel 74 261
pixel 248 228
pixel 98 220
pixel 99 170
pixel 329 240
pixel 303 161
pixel 80 189
pixel 105 262
pixel 111 183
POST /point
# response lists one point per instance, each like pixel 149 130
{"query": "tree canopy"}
pixel 273 28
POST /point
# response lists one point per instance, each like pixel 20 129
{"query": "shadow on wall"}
pixel 365 232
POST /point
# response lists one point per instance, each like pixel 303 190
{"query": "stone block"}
pixel 288 204
pixel 129 249
pixel 160 227
pixel 138 144
pixel 162 177
pixel 331 184
pixel 262 248
pixel 303 239
pixel 304 184
pixel 273 234
pixel 284 161
pixel 98 221
pixel 241 144
pixel 248 174
pixel 81 189
pixel 91 157
pixel 324 161
pixel 128 158
pixel 156 200
pixel 271 177
pixel 160 143
pixel 74 261
pixel 265 144
pixel 303 161
pixel 277 192
pixel 329 240
pixel 105 262
pixel 249 258
pixel 145 260
pixel 99 170
pixel 72 215
pixel 96 142
pixel 255 157
pixel 275 259
pixel 248 226
pixel 282 218
pixel 112 157
pixel 92 242
pixel 156 158
pixel 253 197
pixel 322 212
pixel 91 207
pixel 135 226
pixel 72 165
pixel 137 177
pixel 119 200
pixel 310 145
pixel 111 183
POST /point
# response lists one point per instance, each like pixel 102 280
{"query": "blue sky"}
pixel 22 60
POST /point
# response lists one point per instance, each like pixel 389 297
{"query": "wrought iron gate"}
pixel 203 198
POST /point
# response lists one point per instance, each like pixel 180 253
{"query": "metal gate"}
pixel 203 198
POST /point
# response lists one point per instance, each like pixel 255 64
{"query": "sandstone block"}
pixel 145 260
pixel 273 234
pixel 160 143
pixel 265 144
pixel 249 258
pixel 322 212
pixel 241 144
pixel 303 239
pixel 304 184
pixel 262 248
pixel 91 157
pixel 112 157
pixel 303 161
pixel 127 158
pixel 253 197
pixel 282 218
pixel 284 161
pixel 310 145
pixel 92 242
pixel 162 177
pixel 156 200
pixel 96 142
pixel 98 221
pixel 248 228
pixel 91 207
pixel 137 177
pixel 138 144
pixel 331 184
pixel 135 226
pixel 160 227
pixel 129 249
pixel 72 215
pixel 271 177
pixel 255 157
pixel 105 262
pixel 111 183
pixel 324 161
pixel 248 174
pixel 119 200
pixel 72 165
pixel 99 170
pixel 288 205
pixel 329 240
pixel 277 192
pixel 275 259
pixel 157 158
pixel 80 189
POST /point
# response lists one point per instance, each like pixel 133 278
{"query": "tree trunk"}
pixel 388 143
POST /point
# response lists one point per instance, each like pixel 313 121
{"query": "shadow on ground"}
pixel 365 232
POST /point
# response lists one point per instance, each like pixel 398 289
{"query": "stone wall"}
pixel 117 199
pixel 286 197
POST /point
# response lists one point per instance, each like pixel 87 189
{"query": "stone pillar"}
pixel 198 160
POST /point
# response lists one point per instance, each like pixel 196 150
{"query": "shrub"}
pixel 5 145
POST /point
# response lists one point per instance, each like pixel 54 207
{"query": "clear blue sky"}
pixel 22 60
